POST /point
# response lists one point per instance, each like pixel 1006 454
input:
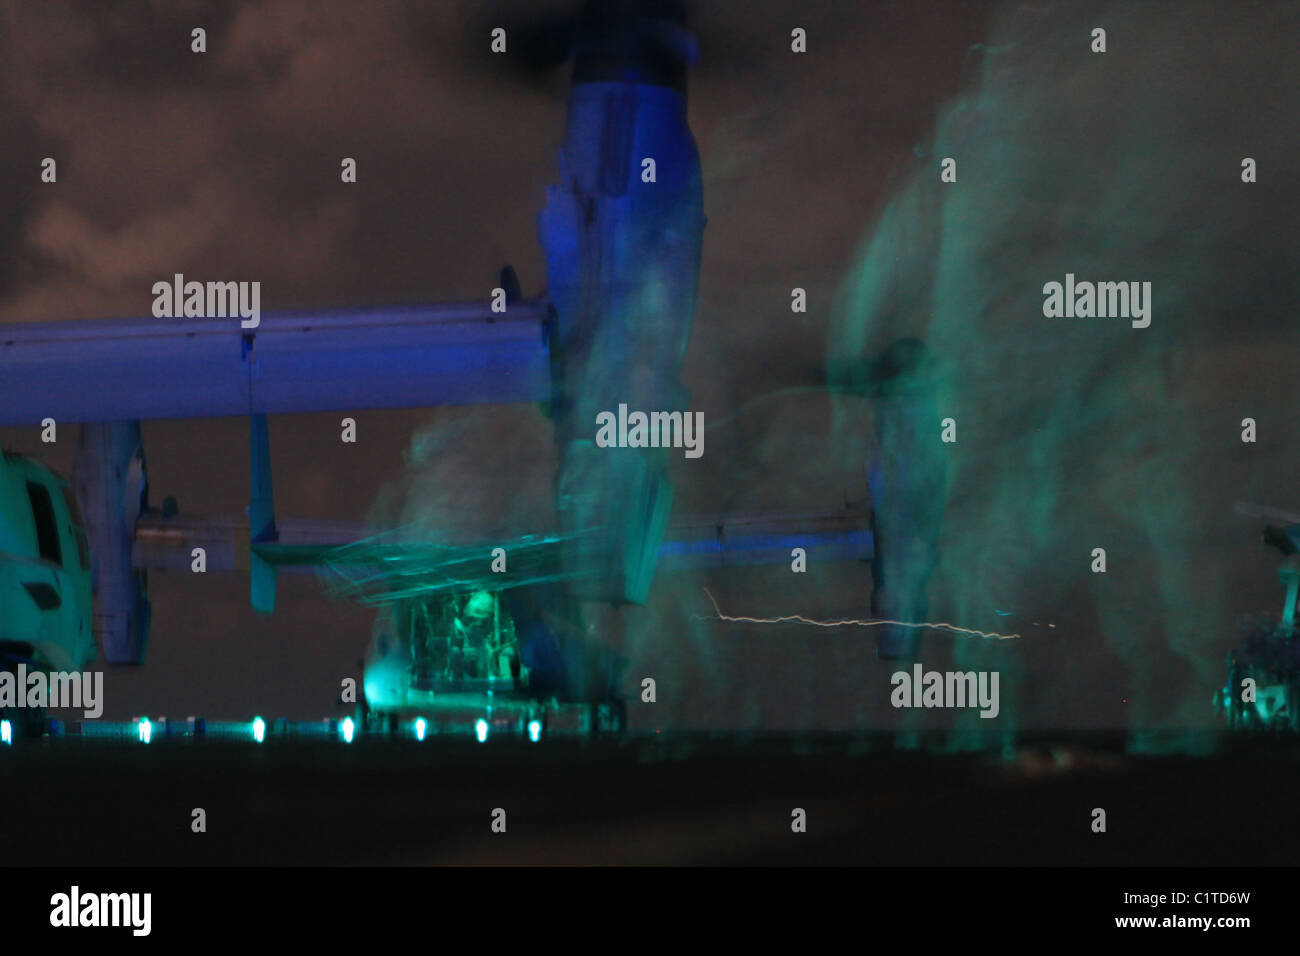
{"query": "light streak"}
pixel 800 619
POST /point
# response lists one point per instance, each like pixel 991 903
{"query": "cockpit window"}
pixel 47 529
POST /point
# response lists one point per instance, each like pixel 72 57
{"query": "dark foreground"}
pixel 71 801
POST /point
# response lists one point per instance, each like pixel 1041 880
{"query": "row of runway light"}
pixel 345 730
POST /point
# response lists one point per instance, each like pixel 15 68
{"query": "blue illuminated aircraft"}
pixel 621 232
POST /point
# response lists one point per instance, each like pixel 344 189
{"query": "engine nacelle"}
pixel 622 235
pixel 112 489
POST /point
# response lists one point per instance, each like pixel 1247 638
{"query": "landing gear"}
pixel 365 717
pixel 608 719
pixel 370 721
pixel 1263 688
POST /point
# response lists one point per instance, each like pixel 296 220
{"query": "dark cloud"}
pixel 145 49
pixel 20 170
pixel 23 145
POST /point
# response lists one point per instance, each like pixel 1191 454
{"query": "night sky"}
pixel 226 165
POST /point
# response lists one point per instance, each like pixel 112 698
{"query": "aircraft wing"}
pixel 700 542
pixel 406 356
